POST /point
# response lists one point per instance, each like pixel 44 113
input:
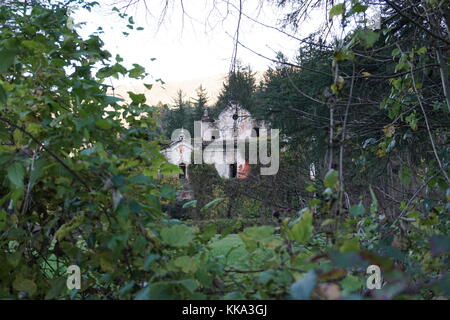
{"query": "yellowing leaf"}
pixel 389 130
pixel 66 228
pixel 380 153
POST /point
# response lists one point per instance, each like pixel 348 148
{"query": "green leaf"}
pixel 302 230
pixel 26 285
pixel 149 261
pixel 302 288
pixel 138 72
pixel 67 227
pixel 350 284
pixel 137 98
pixel 189 284
pixel 34 45
pixel 190 204
pixel 331 179
pixel 177 236
pixel 209 232
pixel 3 96
pixel 258 232
pixel 141 179
pixel 341 55
pixel 6 59
pixel 357 209
pixel 143 294
pixel 212 203
pixel 187 264
pixel 57 288
pixel 405 175
pixel 368 37
pixel 38 170
pixel 16 174
pixel 112 99
pixel 374 204
pixel 169 169
pixel 422 50
pixel 336 10
pixel 358 7
pixel 103 124
pixel 412 120
pixel 350 245
pixel 252 236
pixel 395 52
pixel 167 192
pixel 126 288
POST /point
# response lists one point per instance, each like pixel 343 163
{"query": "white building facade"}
pixel 221 142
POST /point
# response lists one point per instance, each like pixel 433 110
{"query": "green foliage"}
pixel 331 179
pixel 82 174
pixel 83 181
pixel 177 236
pixel 302 228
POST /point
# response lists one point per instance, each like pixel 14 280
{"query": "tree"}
pixel 200 103
pixel 239 86
pixel 178 116
pixel 83 182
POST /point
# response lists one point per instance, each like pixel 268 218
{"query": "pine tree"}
pixel 200 103
pixel 239 87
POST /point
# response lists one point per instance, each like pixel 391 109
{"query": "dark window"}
pixel 213 137
pixel 233 170
pixel 182 175
pixel 256 132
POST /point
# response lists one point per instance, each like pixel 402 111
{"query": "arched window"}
pixel 182 167
pixel 255 132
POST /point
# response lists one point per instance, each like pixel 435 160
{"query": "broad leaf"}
pixel 302 288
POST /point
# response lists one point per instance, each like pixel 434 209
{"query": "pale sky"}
pixel 196 49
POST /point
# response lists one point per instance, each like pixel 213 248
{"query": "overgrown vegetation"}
pixel 83 181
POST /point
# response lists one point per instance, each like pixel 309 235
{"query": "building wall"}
pixel 220 133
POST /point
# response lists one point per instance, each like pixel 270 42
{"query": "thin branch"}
pixel 344 133
pixel 283 62
pixel 428 126
pixel 400 12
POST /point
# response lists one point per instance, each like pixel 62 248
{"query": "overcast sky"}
pixel 201 46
